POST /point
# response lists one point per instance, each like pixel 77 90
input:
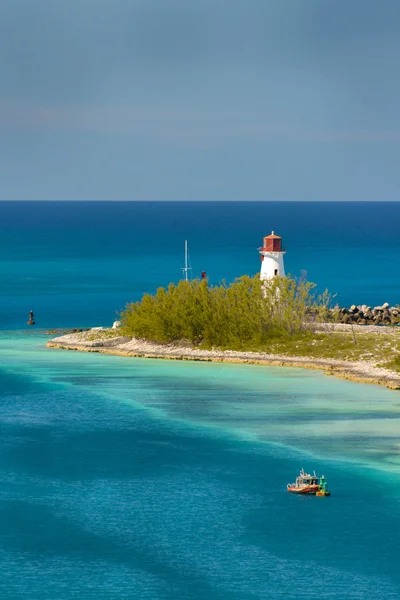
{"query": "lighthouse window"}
pixel 276 272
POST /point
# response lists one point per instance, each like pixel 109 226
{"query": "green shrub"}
pixel 244 314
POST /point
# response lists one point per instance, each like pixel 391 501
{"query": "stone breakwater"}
pixel 102 341
pixel 365 315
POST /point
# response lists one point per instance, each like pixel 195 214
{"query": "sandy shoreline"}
pixel 359 371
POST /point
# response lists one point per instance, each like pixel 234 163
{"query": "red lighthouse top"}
pixel 272 243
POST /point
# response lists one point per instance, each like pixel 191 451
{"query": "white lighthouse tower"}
pixel 271 254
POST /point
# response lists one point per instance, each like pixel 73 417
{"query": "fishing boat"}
pixel 308 484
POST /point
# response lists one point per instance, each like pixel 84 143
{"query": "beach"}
pixel 108 341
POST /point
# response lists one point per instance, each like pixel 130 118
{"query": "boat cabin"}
pixel 306 479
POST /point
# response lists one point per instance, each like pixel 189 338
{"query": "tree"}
pixel 243 314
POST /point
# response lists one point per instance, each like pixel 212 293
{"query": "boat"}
pixel 307 484
pixel 31 319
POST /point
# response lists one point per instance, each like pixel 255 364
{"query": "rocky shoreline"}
pixel 109 342
pixel 365 315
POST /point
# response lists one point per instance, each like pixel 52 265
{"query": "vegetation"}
pixel 100 335
pixel 281 317
pixel 394 363
pixel 246 314
pixel 382 348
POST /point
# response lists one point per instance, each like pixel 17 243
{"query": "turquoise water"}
pixel 152 480
pixel 134 478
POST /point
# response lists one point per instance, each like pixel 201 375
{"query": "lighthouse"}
pixel 271 254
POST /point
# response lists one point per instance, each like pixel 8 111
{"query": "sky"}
pixel 199 100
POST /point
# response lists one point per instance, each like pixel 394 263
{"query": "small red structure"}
pixel 272 243
pixel 271 254
pixel 203 275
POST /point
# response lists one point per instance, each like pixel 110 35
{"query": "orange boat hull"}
pixel 306 489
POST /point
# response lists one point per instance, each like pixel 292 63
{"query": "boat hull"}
pixel 309 490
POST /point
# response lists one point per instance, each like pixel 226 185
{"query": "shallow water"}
pixel 135 478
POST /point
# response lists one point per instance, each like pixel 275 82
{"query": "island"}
pixel 281 323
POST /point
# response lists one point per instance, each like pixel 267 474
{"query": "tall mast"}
pixel 186 261
pixel 186 268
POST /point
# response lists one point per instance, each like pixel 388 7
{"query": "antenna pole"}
pixel 186 268
pixel 186 261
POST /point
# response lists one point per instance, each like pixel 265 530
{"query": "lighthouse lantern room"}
pixel 271 254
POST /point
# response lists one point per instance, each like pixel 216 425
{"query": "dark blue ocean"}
pixel 142 479
pixel 78 263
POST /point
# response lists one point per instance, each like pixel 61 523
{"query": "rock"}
pixel 365 315
pixel 97 329
pixel 116 324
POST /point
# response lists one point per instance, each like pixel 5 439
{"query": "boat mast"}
pixel 186 268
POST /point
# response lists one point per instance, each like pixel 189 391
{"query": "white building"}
pixel 271 255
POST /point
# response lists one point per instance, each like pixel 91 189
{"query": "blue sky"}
pixel 200 100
